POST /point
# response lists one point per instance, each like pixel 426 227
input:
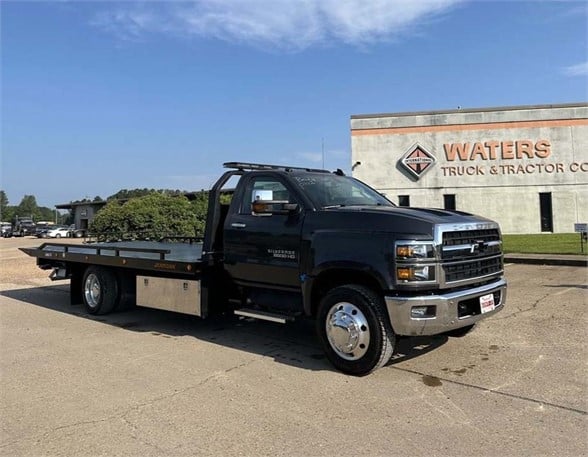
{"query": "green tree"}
pixel 66 218
pixel 3 205
pixel 200 209
pixel 110 222
pixel 125 194
pixel 28 207
pixel 46 214
pixel 149 217
pixel 8 214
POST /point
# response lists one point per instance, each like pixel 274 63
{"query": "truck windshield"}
pixel 330 191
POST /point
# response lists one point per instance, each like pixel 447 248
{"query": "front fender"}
pixel 346 257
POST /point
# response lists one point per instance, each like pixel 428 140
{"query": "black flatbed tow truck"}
pixel 298 242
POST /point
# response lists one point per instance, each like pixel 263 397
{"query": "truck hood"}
pixel 406 219
pixel 433 215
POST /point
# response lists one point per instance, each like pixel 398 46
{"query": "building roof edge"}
pixel 470 110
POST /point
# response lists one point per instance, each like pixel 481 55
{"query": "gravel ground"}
pixel 19 269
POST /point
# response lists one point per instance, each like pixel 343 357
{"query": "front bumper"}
pixel 446 317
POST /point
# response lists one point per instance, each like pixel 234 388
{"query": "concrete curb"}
pixel 541 259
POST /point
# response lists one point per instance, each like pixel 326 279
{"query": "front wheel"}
pixel 100 290
pixel 353 327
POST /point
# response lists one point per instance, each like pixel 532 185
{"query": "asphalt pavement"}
pixel 146 382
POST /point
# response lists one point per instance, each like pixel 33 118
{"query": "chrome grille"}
pixel 459 271
pixel 470 236
pixel 471 254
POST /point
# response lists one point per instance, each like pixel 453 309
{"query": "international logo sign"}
pixel 417 161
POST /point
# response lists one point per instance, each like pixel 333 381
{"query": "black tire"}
pixel 363 340
pixel 460 332
pixel 100 290
pixel 58 235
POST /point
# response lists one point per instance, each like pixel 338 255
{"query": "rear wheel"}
pixel 100 290
pixel 353 327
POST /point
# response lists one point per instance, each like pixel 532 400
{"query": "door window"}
pixel 265 189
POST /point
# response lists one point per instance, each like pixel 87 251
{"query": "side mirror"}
pixel 270 207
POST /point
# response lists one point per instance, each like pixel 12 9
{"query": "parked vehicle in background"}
pixel 5 229
pixel 76 233
pixel 79 233
pixel 58 232
pixel 23 226
pixel 42 227
pixel 41 233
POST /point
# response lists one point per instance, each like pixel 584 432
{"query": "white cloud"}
pixel 130 22
pixel 580 69
pixel 282 24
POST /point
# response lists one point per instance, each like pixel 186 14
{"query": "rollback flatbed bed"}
pixel 144 255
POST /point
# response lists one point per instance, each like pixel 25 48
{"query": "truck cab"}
pixel 325 245
pixel 23 226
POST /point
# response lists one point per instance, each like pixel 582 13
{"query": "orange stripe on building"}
pixel 462 127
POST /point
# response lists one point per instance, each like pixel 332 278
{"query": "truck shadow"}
pixel 293 344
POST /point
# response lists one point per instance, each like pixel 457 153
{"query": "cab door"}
pixel 264 249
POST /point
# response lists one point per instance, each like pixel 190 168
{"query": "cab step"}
pixel 264 315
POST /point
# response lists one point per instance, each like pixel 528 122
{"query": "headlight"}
pixel 412 250
pixel 415 273
pixel 415 261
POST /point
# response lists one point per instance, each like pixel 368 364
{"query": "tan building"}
pixel 525 167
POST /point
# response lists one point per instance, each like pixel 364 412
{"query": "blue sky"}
pixel 100 96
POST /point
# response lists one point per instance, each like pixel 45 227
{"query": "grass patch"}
pixel 544 243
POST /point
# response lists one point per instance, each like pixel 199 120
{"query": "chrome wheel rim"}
pixel 348 331
pixel 92 290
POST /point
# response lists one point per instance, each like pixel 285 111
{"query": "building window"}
pixel 404 200
pixel 546 211
pixel 449 201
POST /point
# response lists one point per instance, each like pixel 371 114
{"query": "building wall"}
pixel 495 161
pixel 84 213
